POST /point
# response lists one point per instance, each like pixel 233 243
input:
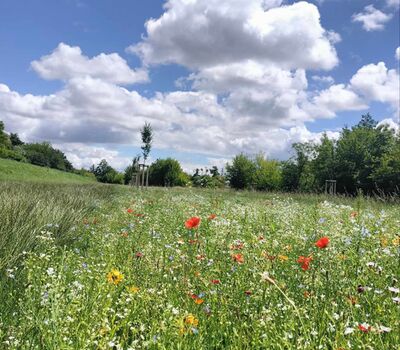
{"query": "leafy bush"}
pixel 14 154
pixel 107 174
pixel 167 172
pixel 43 154
pixel 241 172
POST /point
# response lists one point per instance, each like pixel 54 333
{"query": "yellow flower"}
pixel 396 241
pixel 283 257
pixel 133 289
pixel 384 242
pixel 342 257
pixel 115 277
pixel 191 320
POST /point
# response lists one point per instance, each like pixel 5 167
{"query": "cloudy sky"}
pixel 213 77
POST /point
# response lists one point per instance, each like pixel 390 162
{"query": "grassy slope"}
pixel 11 170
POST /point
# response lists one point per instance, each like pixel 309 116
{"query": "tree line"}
pixel 364 157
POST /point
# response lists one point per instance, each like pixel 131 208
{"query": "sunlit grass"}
pixel 138 272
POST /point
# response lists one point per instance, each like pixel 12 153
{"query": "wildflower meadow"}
pixel 204 269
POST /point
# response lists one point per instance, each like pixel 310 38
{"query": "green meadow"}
pixel 90 266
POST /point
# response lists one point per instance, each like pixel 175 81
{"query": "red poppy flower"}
pixel 239 258
pixel 212 217
pixel 364 328
pixel 322 242
pixel 193 241
pixel 215 281
pixel 304 262
pixel 193 222
pixel 130 211
pixel 248 292
pixel 139 255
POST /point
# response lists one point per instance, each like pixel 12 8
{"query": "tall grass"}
pixel 28 208
pixel 132 276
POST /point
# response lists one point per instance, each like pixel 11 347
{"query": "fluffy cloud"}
pixel 83 155
pixel 206 33
pixel 67 62
pixel 233 108
pixel 377 83
pixel 393 3
pixel 334 99
pixel 247 90
pixel 397 53
pixel 372 18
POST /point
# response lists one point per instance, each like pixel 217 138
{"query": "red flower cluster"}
pixel 215 281
pixel 322 242
pixel 129 211
pixel 192 223
pixel 304 262
pixel 212 217
pixel 364 328
pixel 239 258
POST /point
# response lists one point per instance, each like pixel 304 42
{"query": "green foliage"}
pixel 107 174
pixel 84 172
pixel 268 174
pixel 43 154
pixel 4 139
pixel 130 170
pixel 364 158
pixel 15 140
pixel 240 173
pixel 147 139
pixel 167 172
pixel 14 154
pixel 210 179
pixel 259 173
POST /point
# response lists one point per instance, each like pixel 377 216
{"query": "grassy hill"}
pixel 11 170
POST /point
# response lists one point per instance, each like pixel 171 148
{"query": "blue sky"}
pixel 208 93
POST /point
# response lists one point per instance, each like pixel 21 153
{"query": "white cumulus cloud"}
pixel 67 62
pixel 372 18
pixel 204 33
pixel 378 83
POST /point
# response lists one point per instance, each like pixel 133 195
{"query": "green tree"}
pixel 4 139
pixel 147 139
pixel 15 140
pixel 268 174
pixel 240 173
pixel 359 155
pixel 107 174
pixel 323 165
pixel 43 154
pixel 167 172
